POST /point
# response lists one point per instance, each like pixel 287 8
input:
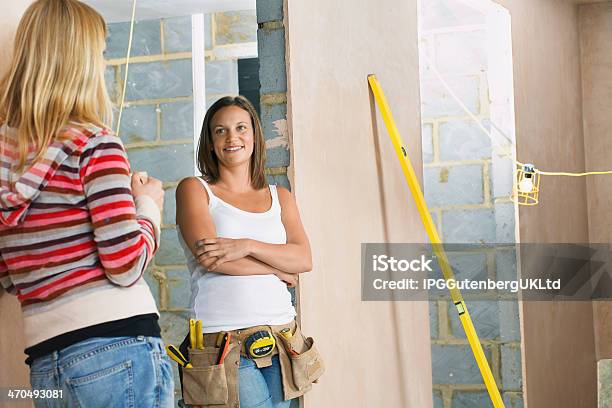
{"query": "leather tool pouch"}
pixel 301 364
pixel 208 384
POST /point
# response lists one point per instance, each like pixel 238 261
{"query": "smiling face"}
pixel 232 136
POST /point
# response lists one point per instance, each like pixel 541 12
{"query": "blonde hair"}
pixel 56 75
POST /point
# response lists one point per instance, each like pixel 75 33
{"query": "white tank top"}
pixel 225 302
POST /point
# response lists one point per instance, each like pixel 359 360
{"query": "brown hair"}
pixel 208 163
pixel 56 74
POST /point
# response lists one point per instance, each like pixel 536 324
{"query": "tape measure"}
pixel 260 344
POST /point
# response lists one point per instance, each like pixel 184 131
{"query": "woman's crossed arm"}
pixel 293 257
pixel 195 222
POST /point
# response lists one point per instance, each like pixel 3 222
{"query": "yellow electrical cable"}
pixel 486 132
pixel 127 66
pixel 436 242
pixel 564 173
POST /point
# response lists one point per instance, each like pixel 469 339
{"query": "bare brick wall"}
pixel 157 130
pixel 468 193
pixel 273 80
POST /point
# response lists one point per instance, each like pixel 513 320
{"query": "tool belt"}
pixel 210 384
pixel 239 340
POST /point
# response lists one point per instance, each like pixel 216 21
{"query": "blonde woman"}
pixel 76 232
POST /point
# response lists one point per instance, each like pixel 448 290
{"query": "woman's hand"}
pixel 143 185
pixel 291 279
pixel 212 252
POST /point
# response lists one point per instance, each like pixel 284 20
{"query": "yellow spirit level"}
pixel 436 242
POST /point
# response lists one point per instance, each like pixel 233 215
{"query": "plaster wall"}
pixel 557 337
pixel 13 371
pixel 350 190
pixel 596 58
pixel 356 192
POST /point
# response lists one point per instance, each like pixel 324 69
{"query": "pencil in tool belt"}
pixel 192 333
pixel 199 335
pixel 177 356
pixel 224 348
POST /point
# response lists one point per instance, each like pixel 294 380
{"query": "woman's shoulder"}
pixel 191 183
pixel 285 196
pixel 282 191
pixel 191 187
pixel 89 134
pixel 90 129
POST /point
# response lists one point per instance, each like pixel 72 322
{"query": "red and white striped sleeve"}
pixel 126 233
pixel 5 279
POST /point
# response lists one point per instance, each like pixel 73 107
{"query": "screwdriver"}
pixel 177 356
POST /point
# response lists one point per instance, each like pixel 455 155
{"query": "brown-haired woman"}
pixel 76 232
pixel 244 242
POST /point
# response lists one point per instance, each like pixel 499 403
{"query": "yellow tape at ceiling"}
pixel 127 67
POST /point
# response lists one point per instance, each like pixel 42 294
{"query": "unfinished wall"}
pixel 350 189
pixel 13 371
pixel 596 59
pixel 557 337
pixel 595 34
pixel 273 89
pixel 467 184
pixel 157 131
pixel 228 37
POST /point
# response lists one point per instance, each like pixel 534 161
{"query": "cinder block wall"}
pixel 273 91
pixel 273 96
pixel 469 199
pixel 157 130
pixel 228 37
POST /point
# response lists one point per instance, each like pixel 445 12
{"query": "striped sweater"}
pixel 73 243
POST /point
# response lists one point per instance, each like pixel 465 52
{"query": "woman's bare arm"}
pixel 292 257
pixel 295 255
pixel 195 222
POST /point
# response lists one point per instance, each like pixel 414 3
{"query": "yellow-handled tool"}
pixel 192 334
pixel 436 242
pixel 177 356
pixel 199 335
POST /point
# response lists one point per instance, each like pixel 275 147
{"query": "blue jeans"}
pixel 261 387
pixel 107 372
